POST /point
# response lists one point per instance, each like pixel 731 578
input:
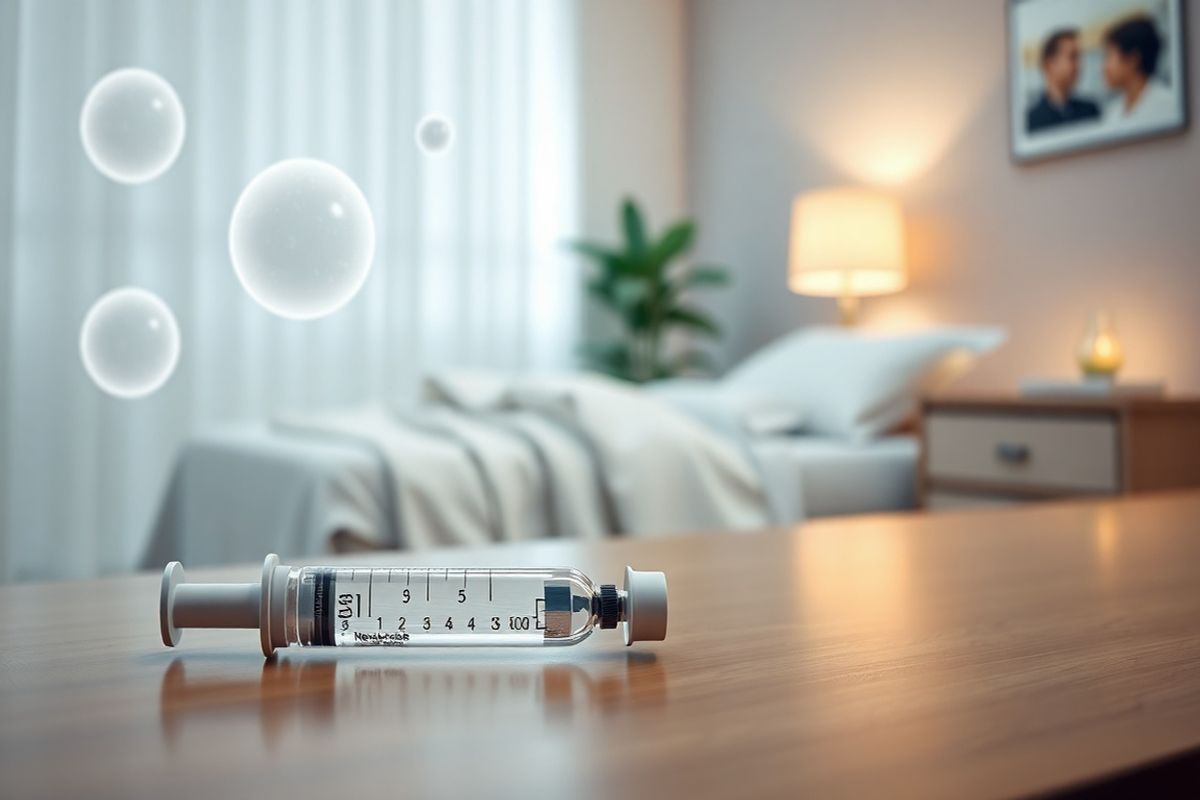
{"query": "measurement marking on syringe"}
pixel 489 586
pixel 370 589
pixel 427 574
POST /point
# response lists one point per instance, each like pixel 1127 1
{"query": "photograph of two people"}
pixel 1086 74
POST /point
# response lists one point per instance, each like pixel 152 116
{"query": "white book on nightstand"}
pixel 1090 387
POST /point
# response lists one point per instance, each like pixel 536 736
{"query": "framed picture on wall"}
pixel 1093 73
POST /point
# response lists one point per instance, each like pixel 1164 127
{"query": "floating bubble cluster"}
pixel 302 238
pixel 129 342
pixel 132 125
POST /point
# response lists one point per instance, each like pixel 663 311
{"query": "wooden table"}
pixel 976 653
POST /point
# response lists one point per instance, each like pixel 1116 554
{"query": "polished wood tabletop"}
pixel 977 653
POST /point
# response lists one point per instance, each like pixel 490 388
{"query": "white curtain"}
pixel 469 266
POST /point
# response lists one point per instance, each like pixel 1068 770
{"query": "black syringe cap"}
pixel 610 606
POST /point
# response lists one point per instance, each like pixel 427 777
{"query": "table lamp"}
pixel 846 243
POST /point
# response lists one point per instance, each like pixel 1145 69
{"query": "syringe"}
pixel 397 606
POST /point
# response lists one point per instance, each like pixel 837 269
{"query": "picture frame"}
pixel 1090 74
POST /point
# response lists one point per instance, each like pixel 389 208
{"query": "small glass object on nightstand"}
pixel 1100 355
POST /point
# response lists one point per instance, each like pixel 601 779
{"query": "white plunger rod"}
pixel 216 605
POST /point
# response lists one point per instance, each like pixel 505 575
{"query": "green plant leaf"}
pixel 624 298
pixel 674 242
pixel 610 358
pixel 635 229
pixel 694 319
pixel 593 250
pixel 602 290
pixel 704 276
pixel 688 361
pixel 628 292
pixel 610 262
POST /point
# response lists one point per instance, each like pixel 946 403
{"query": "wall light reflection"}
pixel 858 578
pixel 1106 538
pixel 889 126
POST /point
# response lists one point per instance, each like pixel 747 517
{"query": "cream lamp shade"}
pixel 846 243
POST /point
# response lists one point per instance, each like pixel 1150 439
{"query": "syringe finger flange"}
pixel 172 577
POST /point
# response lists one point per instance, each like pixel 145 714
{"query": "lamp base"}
pixel 847 309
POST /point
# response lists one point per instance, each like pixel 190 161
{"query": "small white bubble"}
pixel 434 134
pixel 129 342
pixel 132 125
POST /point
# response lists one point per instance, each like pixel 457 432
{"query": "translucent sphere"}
pixel 434 134
pixel 132 125
pixel 302 238
pixel 129 342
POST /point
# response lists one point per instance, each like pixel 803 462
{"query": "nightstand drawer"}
pixel 1069 452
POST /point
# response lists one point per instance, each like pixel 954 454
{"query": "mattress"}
pixel 243 491
pixel 240 492
pixel 836 476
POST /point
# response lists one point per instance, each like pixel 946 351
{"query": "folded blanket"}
pixel 437 495
pixel 493 457
pixel 661 470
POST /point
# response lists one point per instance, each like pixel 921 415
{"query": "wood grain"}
pixel 978 653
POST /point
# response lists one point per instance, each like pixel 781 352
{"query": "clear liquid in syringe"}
pixel 414 607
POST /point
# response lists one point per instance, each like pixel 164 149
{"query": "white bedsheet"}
pixel 831 476
pixel 240 492
pixel 662 470
pixel 456 478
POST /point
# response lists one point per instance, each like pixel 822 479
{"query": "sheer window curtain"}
pixel 469 268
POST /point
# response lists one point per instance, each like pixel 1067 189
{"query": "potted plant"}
pixel 642 283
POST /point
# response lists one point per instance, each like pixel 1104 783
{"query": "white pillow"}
pixel 860 384
pixel 730 409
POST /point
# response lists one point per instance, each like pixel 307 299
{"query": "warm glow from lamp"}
pixel 846 243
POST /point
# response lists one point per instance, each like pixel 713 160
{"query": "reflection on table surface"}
pixel 323 692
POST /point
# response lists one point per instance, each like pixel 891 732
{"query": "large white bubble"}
pixel 129 342
pixel 132 125
pixel 302 238
pixel 434 134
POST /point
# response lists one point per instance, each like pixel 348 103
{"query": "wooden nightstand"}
pixel 999 450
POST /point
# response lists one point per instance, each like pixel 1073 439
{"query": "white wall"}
pixel 786 96
pixel 632 88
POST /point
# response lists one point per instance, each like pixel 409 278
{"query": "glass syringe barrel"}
pixel 413 607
